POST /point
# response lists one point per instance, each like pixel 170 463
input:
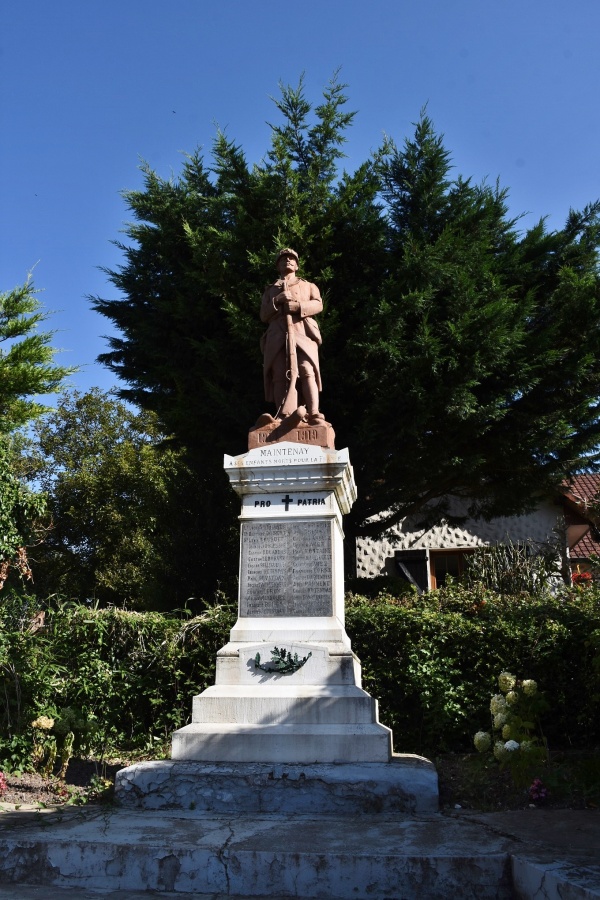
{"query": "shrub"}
pixel 115 679
pixel 107 678
pixel 432 660
pixel 516 739
pixel 510 568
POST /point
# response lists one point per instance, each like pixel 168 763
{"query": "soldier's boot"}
pixel 310 393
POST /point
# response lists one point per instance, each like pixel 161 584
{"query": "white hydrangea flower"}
pixel 497 704
pixel 44 723
pixel 506 681
pixel 499 720
pixel 512 697
pixel 527 746
pixel 529 686
pixel 506 732
pixel 499 751
pixel 511 746
pixel 482 741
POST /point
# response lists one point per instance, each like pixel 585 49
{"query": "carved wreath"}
pixel 282 662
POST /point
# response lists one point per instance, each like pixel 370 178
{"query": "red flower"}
pixel 582 579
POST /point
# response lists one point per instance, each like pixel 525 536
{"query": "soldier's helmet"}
pixel 287 251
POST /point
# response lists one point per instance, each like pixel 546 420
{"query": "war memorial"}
pixel 287 721
pixel 285 783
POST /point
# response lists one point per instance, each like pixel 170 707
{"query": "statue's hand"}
pixel 293 306
pixel 283 297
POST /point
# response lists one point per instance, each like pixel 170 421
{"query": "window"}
pixel 412 566
pixel 444 563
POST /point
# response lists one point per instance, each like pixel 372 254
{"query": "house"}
pixel 582 520
pixel 426 555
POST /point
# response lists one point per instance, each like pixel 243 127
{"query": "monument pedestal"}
pixel 407 785
pixel 287 696
pixel 291 597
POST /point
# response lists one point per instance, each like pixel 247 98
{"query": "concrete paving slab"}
pixel 275 856
pixel 557 852
pixel 538 880
pixel 33 892
pixel 37 892
pixel 571 833
pixel 86 853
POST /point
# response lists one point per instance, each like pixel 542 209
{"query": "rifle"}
pixel 290 402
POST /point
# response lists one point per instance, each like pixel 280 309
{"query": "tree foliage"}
pixel 26 367
pixel 482 349
pixel 461 354
pixel 21 514
pixel 26 371
pixel 123 504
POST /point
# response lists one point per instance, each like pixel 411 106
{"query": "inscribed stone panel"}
pixel 286 569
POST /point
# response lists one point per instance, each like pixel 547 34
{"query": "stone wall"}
pixel 376 556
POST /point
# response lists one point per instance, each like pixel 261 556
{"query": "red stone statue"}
pixel 291 343
pixel 290 347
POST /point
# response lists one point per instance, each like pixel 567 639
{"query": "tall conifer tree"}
pixel 461 352
pixel 26 358
pixel 26 371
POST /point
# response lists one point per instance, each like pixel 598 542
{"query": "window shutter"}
pixel 412 566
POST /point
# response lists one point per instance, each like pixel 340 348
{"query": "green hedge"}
pixel 131 675
pixel 431 661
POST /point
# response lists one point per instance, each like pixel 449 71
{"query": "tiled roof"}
pixel 579 494
pixel 583 488
pixel 586 545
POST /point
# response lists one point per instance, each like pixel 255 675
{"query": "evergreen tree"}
pixel 26 367
pixel 26 370
pixel 460 354
pixel 480 357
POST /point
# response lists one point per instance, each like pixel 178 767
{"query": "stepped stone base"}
pixel 318 714
pixel 283 704
pixel 210 742
pixel 407 784
pixel 334 857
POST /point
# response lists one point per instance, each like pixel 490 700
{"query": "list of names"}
pixel 286 569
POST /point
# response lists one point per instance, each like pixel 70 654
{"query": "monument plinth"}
pixel 266 433
pixel 291 601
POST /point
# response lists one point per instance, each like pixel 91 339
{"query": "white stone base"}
pixel 308 629
pixel 318 714
pixel 406 785
pixel 330 663
pixel 283 743
pixel 291 599
pixel 282 704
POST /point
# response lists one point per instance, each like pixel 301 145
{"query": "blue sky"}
pixel 88 87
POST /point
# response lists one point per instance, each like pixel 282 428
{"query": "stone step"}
pixel 277 705
pixel 331 858
pixel 406 785
pixel 40 892
pixel 307 744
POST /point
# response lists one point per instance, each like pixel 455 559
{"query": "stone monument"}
pixel 287 724
pixel 291 368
